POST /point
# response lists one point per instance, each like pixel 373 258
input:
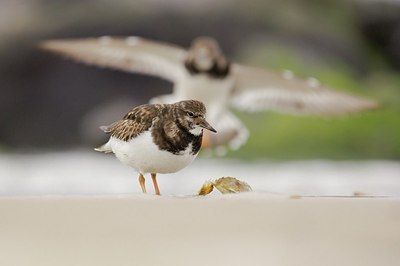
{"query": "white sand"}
pixel 244 229
pixel 103 220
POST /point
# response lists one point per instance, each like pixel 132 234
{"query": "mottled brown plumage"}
pixel 169 127
pixel 136 121
pixel 158 138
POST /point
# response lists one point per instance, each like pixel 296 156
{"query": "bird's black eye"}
pixel 190 114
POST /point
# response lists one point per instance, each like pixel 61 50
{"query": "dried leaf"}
pixel 231 185
pixel 207 188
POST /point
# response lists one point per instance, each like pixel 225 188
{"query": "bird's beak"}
pixel 204 124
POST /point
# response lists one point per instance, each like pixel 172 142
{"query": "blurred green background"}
pixel 353 46
pixel 369 135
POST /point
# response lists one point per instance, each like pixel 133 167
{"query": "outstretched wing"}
pixel 131 54
pixel 135 122
pixel 258 89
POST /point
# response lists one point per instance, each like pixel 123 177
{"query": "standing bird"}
pixel 205 74
pixel 158 138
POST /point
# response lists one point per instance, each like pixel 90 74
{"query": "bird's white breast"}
pixel 143 154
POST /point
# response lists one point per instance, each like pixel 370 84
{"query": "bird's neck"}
pixel 215 72
pixel 197 131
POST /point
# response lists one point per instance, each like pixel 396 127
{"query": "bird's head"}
pixel 205 56
pixel 191 115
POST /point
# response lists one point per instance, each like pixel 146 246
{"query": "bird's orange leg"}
pixel 154 176
pixel 142 183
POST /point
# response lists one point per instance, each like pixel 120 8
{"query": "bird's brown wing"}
pixel 131 54
pixel 135 122
pixel 258 89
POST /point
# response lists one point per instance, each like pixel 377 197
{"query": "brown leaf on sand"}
pixel 225 185
pixel 207 188
pixel 231 185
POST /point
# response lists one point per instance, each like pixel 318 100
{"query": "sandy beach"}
pixel 82 209
pixel 242 229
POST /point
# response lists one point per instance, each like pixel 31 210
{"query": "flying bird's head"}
pixel 205 56
pixel 191 115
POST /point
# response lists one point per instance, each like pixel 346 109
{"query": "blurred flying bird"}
pixel 204 73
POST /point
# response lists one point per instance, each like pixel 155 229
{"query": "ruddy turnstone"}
pixel 158 138
pixel 204 73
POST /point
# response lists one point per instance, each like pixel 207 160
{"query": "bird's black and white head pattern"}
pixel 191 115
pixel 181 125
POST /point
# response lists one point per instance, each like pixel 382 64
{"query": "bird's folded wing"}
pixel 134 123
pixel 125 129
pixel 131 54
pixel 259 89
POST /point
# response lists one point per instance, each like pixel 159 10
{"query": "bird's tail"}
pixel 106 148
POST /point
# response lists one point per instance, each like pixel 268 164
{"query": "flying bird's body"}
pixel 215 92
pixel 203 73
